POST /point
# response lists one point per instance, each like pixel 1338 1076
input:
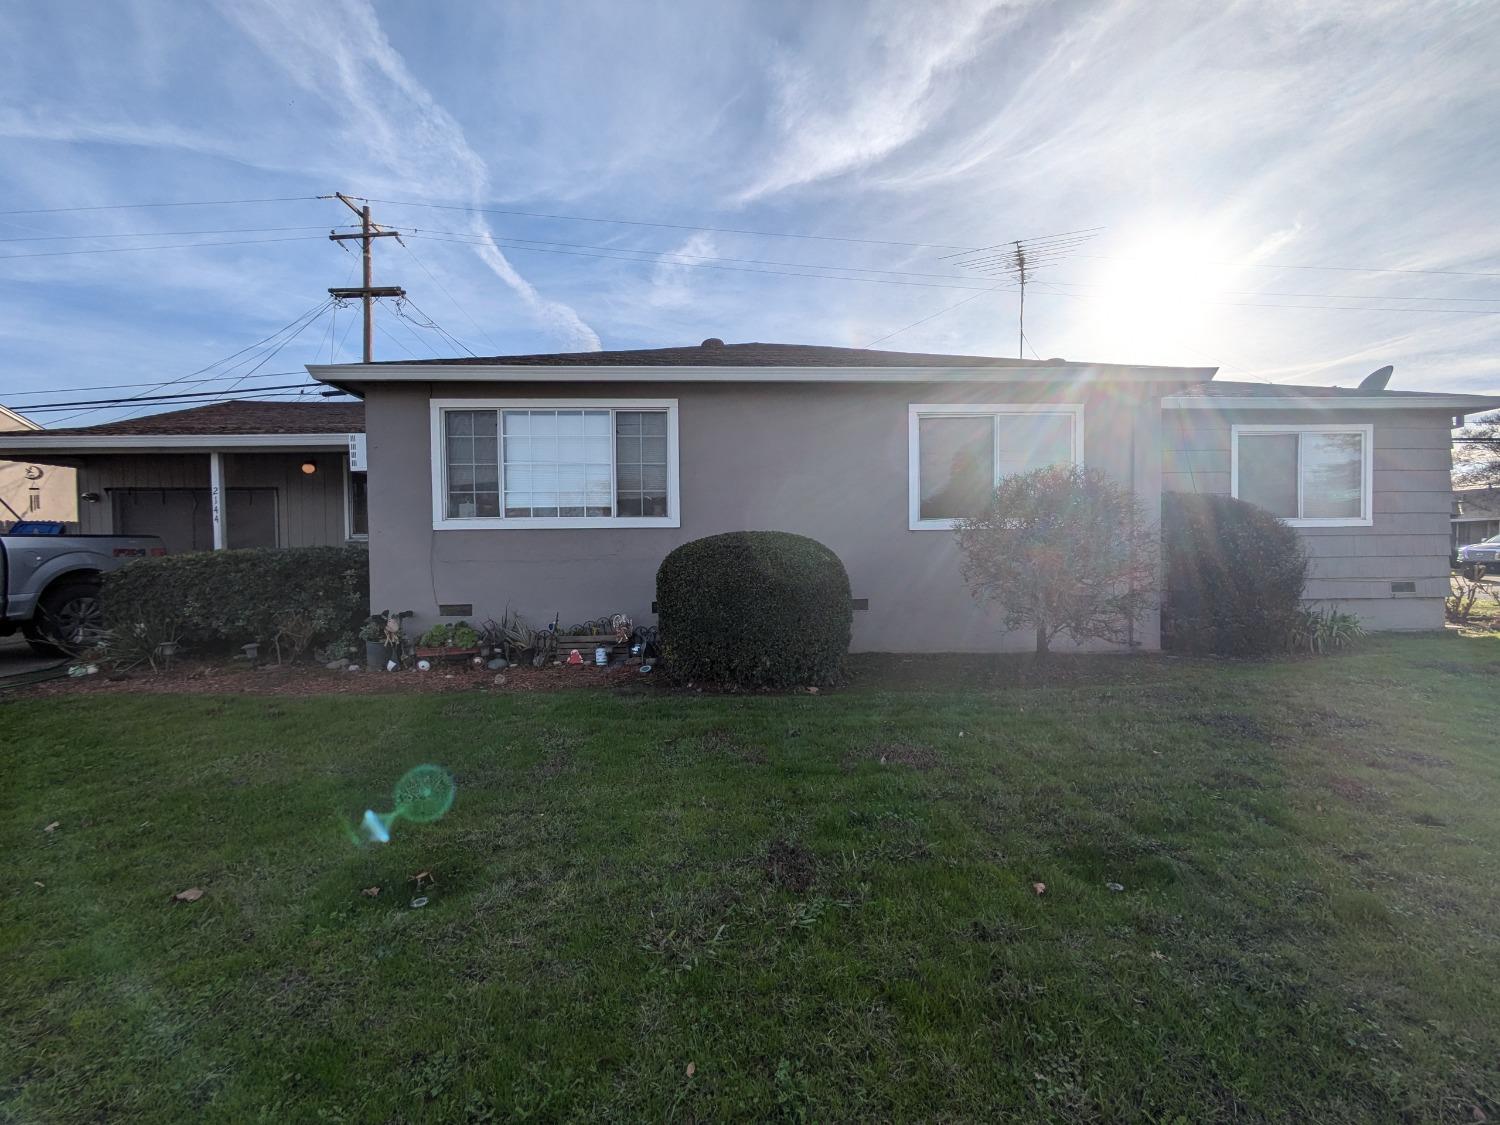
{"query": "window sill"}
pixel 559 523
pixel 932 525
pixel 1336 521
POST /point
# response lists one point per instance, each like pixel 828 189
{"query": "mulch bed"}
pixel 306 679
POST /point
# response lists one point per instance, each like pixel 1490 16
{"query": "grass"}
pixel 800 907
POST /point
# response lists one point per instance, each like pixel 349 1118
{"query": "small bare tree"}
pixel 1062 550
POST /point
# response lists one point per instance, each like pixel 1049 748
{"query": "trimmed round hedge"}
pixel 1234 576
pixel 754 609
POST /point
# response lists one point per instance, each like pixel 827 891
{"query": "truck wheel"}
pixel 69 620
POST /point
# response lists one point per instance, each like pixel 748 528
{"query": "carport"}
pixel 233 474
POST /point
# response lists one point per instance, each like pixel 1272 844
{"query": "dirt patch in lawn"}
pixel 911 754
pixel 790 865
pixel 1356 792
pixel 722 741
pixel 1231 724
pixel 302 679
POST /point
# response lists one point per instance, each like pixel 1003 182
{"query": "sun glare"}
pixel 1156 294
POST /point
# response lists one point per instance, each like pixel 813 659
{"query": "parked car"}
pixel 1481 557
pixel 49 585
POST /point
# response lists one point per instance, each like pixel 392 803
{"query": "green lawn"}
pixel 686 907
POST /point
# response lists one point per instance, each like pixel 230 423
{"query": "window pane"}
pixel 359 504
pixel 1032 441
pixel 1268 472
pixel 1332 473
pixel 956 466
pixel 470 465
pixel 641 462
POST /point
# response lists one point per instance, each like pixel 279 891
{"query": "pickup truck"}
pixel 49 585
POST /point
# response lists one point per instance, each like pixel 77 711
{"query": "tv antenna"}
pixel 1020 259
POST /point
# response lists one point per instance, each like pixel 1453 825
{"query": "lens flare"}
pixel 422 796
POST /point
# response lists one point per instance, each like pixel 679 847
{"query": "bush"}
pixel 1062 549
pixel 1234 577
pixel 755 609
pixel 292 598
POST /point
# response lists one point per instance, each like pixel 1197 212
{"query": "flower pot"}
pixel 374 656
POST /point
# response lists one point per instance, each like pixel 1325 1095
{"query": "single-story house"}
pixel 555 484
pixel 1476 515
pixel 231 474
pixel 30 490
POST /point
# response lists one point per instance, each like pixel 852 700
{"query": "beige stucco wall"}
pixel 824 460
pixel 53 486
pixel 1351 567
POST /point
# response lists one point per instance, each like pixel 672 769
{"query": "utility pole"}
pixel 366 292
pixel 1019 264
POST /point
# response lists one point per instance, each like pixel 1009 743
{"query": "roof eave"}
pixel 352 376
pixel 84 444
pixel 1461 404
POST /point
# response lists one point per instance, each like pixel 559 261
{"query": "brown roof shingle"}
pixel 238 417
pixel 715 353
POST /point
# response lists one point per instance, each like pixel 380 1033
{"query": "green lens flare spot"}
pixel 424 794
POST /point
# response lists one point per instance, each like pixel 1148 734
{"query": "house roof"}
pixel 714 361
pixel 238 417
pixel 716 353
pixel 228 426
pixel 1220 394
pixel 1479 503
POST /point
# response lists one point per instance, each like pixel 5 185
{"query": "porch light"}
pixel 309 467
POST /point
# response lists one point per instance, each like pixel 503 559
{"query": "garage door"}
pixel 184 519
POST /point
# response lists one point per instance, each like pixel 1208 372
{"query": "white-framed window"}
pixel 554 463
pixel 357 503
pixel 1309 475
pixel 958 452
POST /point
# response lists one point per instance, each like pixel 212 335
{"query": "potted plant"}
pixel 449 641
pixel 385 639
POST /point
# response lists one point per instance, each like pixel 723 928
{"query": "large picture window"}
pixel 1310 476
pixel 959 452
pixel 555 464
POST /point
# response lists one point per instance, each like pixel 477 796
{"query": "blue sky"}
pixel 1217 146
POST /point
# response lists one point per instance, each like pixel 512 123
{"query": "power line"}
pixel 1259 305
pixel 672 226
pixel 155 234
pixel 511 242
pixel 717 266
pixel 451 299
pixel 170 246
pixel 11 395
pixel 180 203
pixel 934 316
pixel 182 395
pixel 299 321
pixel 1283 266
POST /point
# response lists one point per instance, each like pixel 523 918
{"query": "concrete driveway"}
pixel 16 658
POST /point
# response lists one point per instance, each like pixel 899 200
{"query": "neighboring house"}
pixel 279 471
pixel 555 484
pixel 33 491
pixel 1476 515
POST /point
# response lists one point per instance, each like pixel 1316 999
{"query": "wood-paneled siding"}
pixel 1352 567
pixel 309 508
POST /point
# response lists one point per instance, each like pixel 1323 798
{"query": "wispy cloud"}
pixel 340 52
pixel 849 104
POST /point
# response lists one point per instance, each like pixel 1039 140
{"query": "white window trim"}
pixel 1366 477
pixel 440 521
pixel 918 410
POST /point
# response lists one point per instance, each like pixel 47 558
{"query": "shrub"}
pixel 755 609
pixel 1323 630
pixel 296 597
pixel 1234 577
pixel 1062 550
